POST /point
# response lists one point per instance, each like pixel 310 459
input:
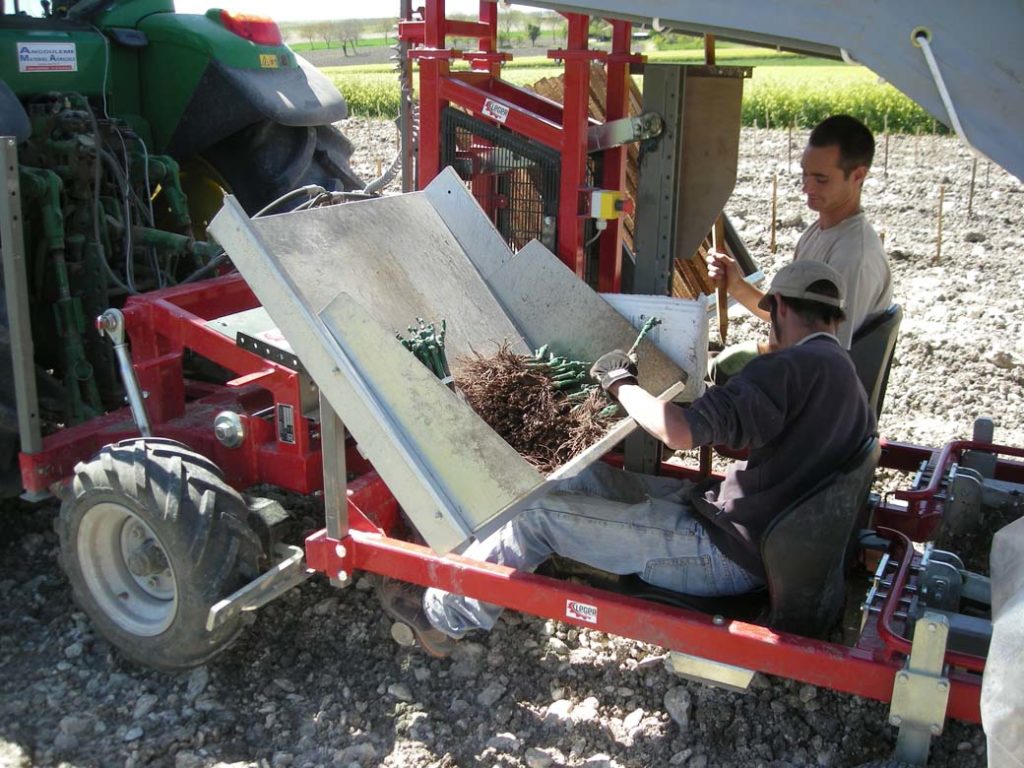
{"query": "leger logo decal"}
pixel 581 611
pixel 495 110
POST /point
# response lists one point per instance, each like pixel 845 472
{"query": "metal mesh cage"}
pixel 514 179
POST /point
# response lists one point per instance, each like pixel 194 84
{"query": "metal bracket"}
pixel 982 462
pixel 625 130
pixel 332 441
pixel 269 352
pixel 964 505
pixel 716 673
pixel 941 585
pixel 289 572
pixel 921 691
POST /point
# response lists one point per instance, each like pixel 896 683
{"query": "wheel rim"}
pixel 126 569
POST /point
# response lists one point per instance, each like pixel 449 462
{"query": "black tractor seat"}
pixel 872 351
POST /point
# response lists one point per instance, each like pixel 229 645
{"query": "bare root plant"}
pixel 520 403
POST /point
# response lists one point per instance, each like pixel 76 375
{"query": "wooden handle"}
pixel 718 244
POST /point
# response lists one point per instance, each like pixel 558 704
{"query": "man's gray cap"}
pixel 793 280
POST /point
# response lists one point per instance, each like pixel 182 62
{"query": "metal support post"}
pixel 658 193
pixel 575 124
pixel 406 116
pixel 921 691
pixel 613 171
pixel 659 188
pixel 332 441
pixel 16 294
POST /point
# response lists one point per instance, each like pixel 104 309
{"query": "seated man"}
pixel 801 411
pixel 834 166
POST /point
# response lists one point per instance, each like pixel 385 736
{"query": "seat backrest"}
pixel 871 350
pixel 804 548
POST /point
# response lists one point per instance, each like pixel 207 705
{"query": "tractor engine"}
pixel 104 219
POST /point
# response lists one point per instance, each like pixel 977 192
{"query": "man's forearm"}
pixel 749 295
pixel 663 420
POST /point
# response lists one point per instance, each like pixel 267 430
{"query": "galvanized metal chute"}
pixel 339 282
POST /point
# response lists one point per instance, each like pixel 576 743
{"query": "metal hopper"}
pixel 338 283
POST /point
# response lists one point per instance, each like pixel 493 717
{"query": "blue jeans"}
pixel 616 521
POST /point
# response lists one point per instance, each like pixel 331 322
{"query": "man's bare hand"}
pixel 723 270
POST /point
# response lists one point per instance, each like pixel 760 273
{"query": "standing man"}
pixel 834 165
pixel 800 410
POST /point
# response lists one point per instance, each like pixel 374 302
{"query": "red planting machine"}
pixel 516 226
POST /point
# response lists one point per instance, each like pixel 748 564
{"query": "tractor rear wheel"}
pixel 151 537
pixel 264 161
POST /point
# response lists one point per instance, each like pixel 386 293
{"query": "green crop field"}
pixel 785 89
pixel 301 46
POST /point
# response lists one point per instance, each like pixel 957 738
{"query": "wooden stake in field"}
pixel 789 159
pixel 885 130
pixel 938 239
pixel 970 196
pixel 917 147
pixel 775 198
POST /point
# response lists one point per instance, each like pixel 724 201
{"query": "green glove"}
pixel 731 361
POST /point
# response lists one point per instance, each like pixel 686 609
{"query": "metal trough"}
pixel 339 282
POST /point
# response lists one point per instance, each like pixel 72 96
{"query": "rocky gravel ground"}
pixel 317 681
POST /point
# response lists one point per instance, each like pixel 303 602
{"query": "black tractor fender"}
pixel 228 99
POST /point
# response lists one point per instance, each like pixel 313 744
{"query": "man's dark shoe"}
pixel 403 602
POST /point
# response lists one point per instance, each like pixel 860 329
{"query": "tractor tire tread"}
pixel 200 522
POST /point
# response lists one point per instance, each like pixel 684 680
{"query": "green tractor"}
pixel 131 122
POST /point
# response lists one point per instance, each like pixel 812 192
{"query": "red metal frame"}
pixel 563 127
pixel 163 326
pixel 920 518
pixel 867 669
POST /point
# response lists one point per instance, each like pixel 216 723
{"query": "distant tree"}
pixel 384 26
pixel 556 25
pixel 309 31
pixel 533 31
pixel 348 33
pixel 325 30
pixel 505 38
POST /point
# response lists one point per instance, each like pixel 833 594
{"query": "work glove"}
pixel 732 360
pixel 616 366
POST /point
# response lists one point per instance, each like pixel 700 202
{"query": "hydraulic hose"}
pixel 310 191
pixel 385 178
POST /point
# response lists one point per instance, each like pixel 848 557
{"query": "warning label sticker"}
pixel 47 57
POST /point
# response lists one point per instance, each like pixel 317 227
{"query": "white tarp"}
pixel 1002 689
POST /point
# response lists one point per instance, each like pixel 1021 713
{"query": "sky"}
pixel 296 10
